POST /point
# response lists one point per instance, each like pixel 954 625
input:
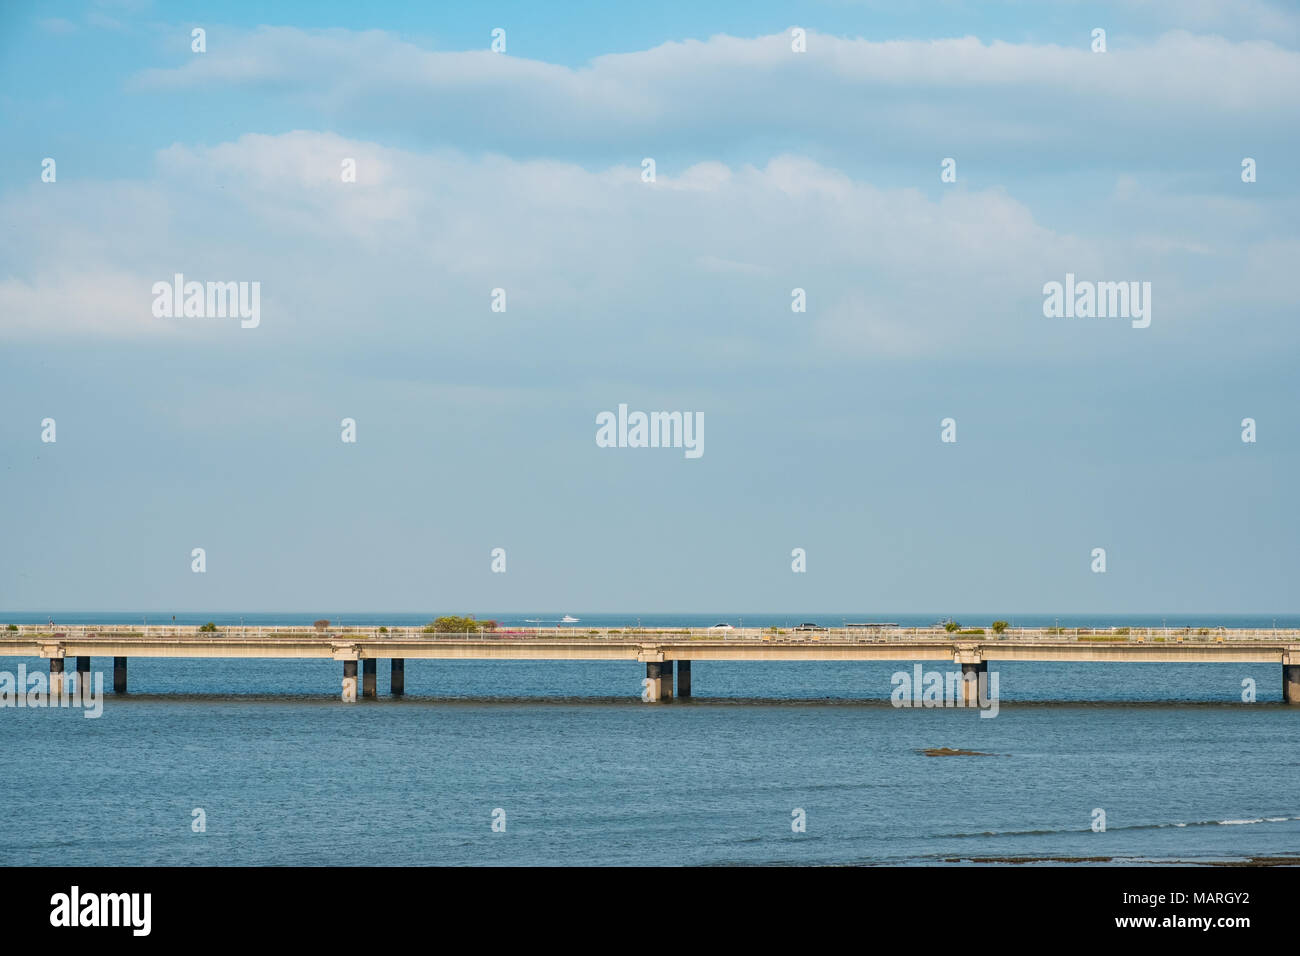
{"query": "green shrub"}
pixel 951 626
pixel 208 628
pixel 1122 630
pixel 999 626
pixel 383 630
pixel 451 624
pixel 11 627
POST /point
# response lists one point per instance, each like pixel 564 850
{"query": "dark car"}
pixel 809 626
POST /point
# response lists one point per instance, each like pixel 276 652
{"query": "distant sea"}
pixel 585 773
pixel 630 619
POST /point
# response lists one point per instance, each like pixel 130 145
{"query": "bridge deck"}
pixel 1280 647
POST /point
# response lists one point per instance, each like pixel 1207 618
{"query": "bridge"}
pixel 668 653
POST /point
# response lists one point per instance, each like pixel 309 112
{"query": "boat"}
pixel 567 619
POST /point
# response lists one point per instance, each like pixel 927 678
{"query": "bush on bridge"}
pixel 451 624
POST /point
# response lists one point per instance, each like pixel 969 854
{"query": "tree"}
pixel 450 624
pixel 950 626
pixel 208 628
pixel 321 624
pixel 999 626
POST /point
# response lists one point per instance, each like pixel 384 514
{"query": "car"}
pixel 809 626
pixel 722 627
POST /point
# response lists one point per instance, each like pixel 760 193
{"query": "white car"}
pixel 722 627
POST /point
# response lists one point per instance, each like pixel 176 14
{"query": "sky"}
pixel 525 171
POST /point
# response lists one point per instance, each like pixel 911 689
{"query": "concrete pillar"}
pixel 56 677
pixel 119 675
pixel 1290 683
pixel 660 676
pixel 970 675
pixel 397 686
pixel 83 675
pixel 683 678
pixel 349 682
pixel 369 668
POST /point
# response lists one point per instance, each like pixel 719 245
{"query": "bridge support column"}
pixel 660 676
pixel 56 677
pixel 369 668
pixel 397 686
pixel 970 676
pixel 1291 683
pixel 683 678
pixel 83 675
pixel 349 682
pixel 119 675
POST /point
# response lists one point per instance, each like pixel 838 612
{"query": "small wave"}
pixel 1132 826
pixel 1225 823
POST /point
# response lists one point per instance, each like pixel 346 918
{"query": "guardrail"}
pixel 662 635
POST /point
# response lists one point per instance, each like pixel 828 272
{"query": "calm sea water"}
pixel 288 775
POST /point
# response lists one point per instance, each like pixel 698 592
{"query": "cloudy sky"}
pixel 774 170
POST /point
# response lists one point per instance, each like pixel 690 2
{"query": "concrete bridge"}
pixel 667 653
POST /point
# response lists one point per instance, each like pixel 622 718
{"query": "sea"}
pixel 501 763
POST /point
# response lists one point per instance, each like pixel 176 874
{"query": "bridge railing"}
pixel 672 635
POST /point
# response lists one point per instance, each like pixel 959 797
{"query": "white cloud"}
pixel 598 264
pixel 846 91
pixel 94 302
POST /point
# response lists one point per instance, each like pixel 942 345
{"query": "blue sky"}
pixel 774 170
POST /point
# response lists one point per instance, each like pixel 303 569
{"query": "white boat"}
pixel 568 620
